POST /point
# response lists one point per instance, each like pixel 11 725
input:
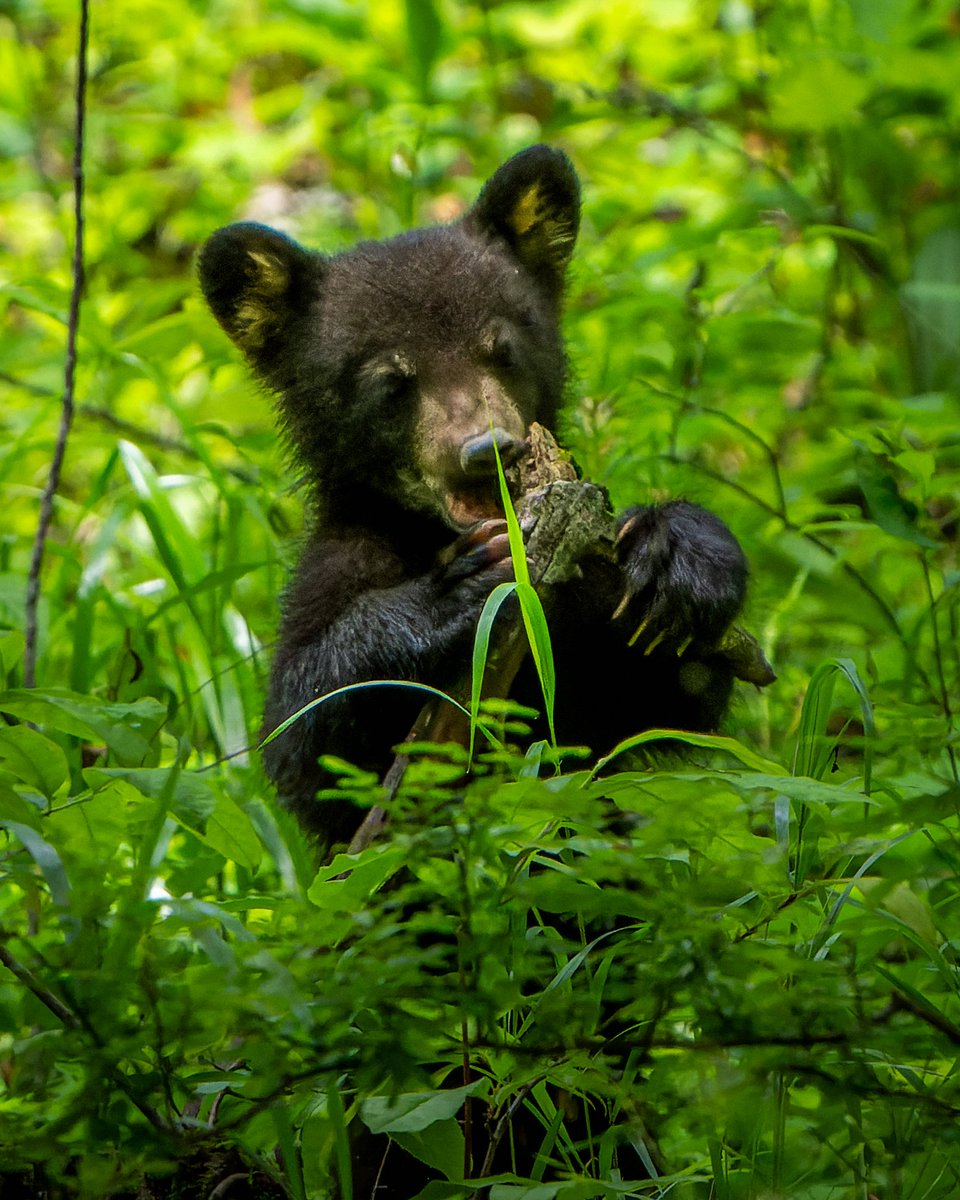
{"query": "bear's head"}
pixel 399 364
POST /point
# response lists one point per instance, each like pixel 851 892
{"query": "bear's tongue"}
pixel 467 507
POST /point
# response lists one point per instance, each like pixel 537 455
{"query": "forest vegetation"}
pixel 747 987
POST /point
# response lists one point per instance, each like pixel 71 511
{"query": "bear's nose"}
pixel 477 453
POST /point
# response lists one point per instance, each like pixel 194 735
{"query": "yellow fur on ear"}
pixel 268 280
pixel 541 231
pixel 527 212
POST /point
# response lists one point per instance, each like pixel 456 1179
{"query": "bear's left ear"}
pixel 533 204
pixel 254 280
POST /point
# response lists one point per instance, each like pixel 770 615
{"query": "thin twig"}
pixel 36 988
pixel 503 1123
pixel 76 1020
pixel 73 322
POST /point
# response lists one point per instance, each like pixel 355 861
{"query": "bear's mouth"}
pixel 468 505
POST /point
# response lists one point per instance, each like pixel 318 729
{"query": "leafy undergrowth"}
pixel 731 978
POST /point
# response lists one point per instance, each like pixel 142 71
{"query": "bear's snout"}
pixel 478 455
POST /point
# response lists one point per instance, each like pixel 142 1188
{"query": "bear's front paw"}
pixel 685 576
pixel 470 568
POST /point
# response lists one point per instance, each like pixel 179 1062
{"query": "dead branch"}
pixel 70 363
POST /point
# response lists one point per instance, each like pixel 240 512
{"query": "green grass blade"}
pixel 531 607
pixel 341 1141
pixel 541 648
pixel 481 648
pixel 708 741
pixel 372 683
pixel 814 752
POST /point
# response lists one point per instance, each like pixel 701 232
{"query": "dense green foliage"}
pixel 765 317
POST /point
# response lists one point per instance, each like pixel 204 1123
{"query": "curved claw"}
pixel 685 576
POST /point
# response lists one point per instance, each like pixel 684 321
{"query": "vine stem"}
pixel 70 363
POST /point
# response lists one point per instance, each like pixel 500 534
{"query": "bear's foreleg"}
pixel 352 618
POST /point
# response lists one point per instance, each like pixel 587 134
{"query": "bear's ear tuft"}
pixel 252 278
pixel 533 204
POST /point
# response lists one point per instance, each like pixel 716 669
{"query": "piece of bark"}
pixel 746 658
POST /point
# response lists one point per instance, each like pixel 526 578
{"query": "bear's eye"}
pixel 501 349
pixel 388 378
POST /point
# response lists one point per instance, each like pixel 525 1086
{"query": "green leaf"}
pixel 229 831
pixel 538 637
pixel 572 1189
pixel 198 802
pixel 14 808
pixel 47 859
pixel 887 507
pixel 341 1139
pixel 440 1145
pixel 709 741
pixel 32 758
pixel 192 798
pixel 11 650
pixel 178 550
pixel 127 729
pixel 903 903
pixel 819 93
pixel 347 885
pixel 481 650
pixel 411 1112
pixel 814 752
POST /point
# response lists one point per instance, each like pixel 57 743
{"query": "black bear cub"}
pixel 397 367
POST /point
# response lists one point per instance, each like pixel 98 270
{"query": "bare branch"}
pixel 33 985
pixel 73 322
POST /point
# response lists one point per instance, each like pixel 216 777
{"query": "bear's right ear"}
pixel 533 204
pixel 253 278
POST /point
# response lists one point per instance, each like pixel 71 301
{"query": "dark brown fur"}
pixel 395 365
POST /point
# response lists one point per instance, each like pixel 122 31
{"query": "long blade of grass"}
pixel 814 752
pixel 709 741
pixel 341 1142
pixel 538 635
pixel 371 683
pixel 531 608
pixel 481 647
pixel 848 668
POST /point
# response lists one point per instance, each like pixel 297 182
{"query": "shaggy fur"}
pixel 395 366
